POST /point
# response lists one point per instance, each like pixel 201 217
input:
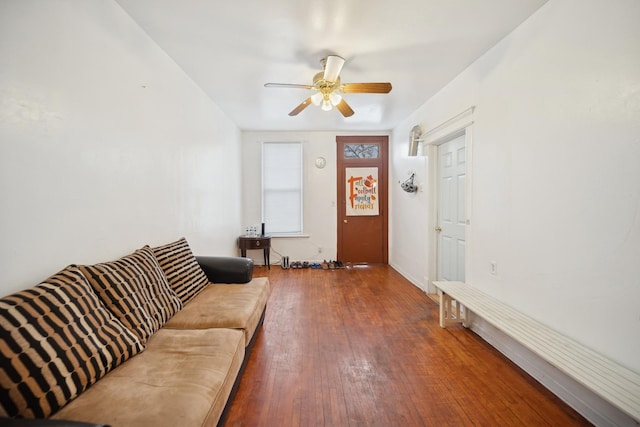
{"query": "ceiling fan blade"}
pixel 366 87
pixel 300 107
pixel 332 67
pixel 288 85
pixel 344 108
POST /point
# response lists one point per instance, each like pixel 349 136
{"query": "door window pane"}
pixel 361 151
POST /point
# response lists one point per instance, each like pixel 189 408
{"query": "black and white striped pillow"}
pixel 184 274
pixel 56 340
pixel 136 291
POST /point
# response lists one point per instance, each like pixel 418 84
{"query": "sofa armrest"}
pixel 21 422
pixel 226 269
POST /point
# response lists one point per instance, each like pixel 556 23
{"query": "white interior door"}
pixel 451 209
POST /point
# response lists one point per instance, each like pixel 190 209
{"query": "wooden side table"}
pixel 256 242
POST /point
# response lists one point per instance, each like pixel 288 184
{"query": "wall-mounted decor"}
pixel 362 191
pixel 408 185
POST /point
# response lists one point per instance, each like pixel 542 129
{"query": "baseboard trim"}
pixel 417 283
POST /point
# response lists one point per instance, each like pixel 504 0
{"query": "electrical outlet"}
pixel 493 268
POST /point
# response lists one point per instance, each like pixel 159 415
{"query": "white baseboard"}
pixel 417 283
pixel 588 404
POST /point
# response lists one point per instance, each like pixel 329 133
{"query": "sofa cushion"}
pixel 226 306
pixel 136 291
pixel 57 339
pixel 183 272
pixel 183 378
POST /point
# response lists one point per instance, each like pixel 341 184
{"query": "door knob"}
pixel 345 221
pixel 438 228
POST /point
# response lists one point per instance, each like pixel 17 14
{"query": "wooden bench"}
pixel 614 383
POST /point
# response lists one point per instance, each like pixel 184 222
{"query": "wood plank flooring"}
pixel 361 346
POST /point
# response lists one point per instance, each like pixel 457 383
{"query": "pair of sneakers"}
pixel 298 264
pixel 285 263
pixel 331 265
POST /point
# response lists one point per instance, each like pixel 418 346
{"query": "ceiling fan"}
pixel 328 88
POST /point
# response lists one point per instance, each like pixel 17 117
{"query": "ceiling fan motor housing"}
pixel 321 84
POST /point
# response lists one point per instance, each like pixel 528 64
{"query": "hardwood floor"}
pixel 362 347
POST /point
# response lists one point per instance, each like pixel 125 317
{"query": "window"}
pixel 282 187
pixel 361 151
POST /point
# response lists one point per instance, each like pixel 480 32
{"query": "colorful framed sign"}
pixel 362 192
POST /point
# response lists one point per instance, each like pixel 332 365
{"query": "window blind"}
pixel 282 187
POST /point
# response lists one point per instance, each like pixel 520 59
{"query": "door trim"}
pixel 461 124
pixel 383 177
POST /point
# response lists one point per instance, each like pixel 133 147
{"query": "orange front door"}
pixel 362 198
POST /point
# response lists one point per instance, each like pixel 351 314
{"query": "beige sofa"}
pixel 155 338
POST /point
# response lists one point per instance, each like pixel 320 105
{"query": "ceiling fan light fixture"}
pixel 326 105
pixel 335 98
pixel 316 98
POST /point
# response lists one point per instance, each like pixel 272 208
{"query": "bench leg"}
pixel 444 299
pixel 466 318
pixel 447 315
pixel 450 314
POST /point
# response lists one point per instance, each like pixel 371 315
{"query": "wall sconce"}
pixel 408 184
pixel 415 138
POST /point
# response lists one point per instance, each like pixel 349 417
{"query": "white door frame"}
pixel 461 124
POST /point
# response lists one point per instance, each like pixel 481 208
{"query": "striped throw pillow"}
pixel 56 340
pixel 136 291
pixel 184 274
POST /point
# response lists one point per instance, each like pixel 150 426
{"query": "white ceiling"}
pixel 230 48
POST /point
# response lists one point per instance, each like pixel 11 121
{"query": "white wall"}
pixel 105 144
pixel 409 212
pixel 556 175
pixel 319 188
